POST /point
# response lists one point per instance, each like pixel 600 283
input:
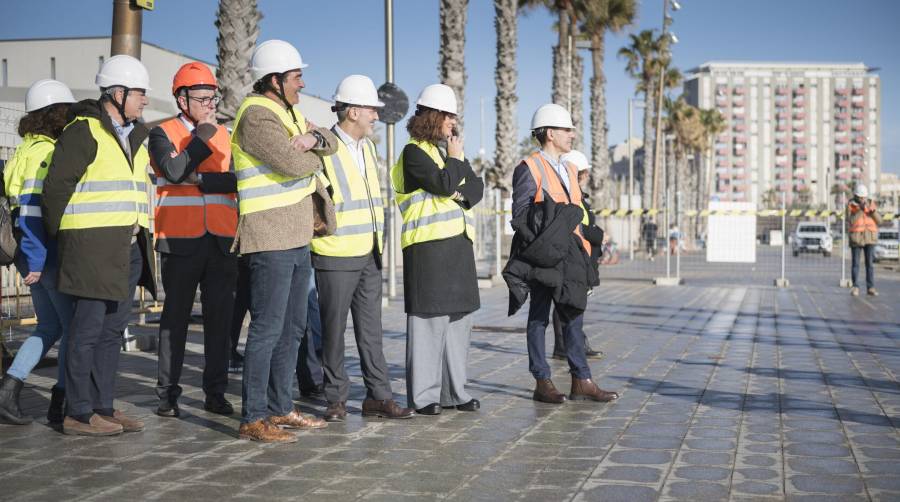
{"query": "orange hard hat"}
pixel 193 74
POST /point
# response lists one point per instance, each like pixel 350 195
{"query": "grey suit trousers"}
pixel 359 293
pixel 437 352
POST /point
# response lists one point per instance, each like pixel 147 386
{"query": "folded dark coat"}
pixel 546 252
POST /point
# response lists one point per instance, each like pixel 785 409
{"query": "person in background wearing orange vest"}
pixel 196 217
pixel 863 220
pixel 542 175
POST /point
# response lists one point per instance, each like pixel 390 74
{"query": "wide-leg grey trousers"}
pixel 437 350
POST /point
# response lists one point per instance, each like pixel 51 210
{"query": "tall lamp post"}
pixel 392 209
pixel 667 20
pixel 632 103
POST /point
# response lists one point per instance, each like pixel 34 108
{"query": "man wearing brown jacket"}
pixel 862 220
pixel 276 160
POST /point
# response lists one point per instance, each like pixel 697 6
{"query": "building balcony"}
pixel 856 176
pixel 740 174
pixel 781 174
pixel 843 175
pixel 841 115
pixel 842 139
pixel 800 175
pixel 738 162
pixel 799 115
pixel 858 115
pixel 722 138
pixel 782 187
pixel 842 92
pixel 781 163
pixel 740 138
pixel 800 151
pixel 843 103
pixel 721 101
pixel 799 91
pixel 799 102
pixel 721 151
pixel 858 91
pixel 782 115
pixel 856 170
pixel 781 152
pixel 801 186
pixel 781 91
pixel 721 163
pixel 843 163
pixel 859 140
pixel 859 150
pixel 858 99
pixel 857 127
pixel 799 140
pixel 799 163
pixel 737 101
pixel 738 91
pixel 799 125
pixel 841 148
pixel 842 127
pixel 740 127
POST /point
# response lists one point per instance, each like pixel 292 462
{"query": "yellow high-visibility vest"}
pixel 24 174
pixel 426 216
pixel 113 190
pixel 358 205
pixel 259 187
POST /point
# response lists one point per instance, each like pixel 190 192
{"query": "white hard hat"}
pixel 47 92
pixel 438 96
pixel 125 71
pixel 357 90
pixel 274 56
pixel 552 115
pixel 861 190
pixel 577 158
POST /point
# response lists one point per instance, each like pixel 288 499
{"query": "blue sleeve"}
pixel 34 238
pixel 524 190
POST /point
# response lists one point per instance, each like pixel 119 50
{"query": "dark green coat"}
pixel 93 262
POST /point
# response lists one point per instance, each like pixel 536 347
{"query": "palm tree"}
pixel 505 76
pixel 640 56
pixel 601 16
pixel 453 49
pixel 238 24
pixel 713 124
pixel 671 79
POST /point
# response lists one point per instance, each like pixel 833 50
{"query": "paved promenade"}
pixel 728 393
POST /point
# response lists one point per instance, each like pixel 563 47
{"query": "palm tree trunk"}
pixel 600 175
pixel 576 108
pixel 561 69
pixel 649 146
pixel 505 77
pixel 238 24
pixel 453 49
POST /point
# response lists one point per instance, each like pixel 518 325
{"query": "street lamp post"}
pixel 631 104
pixel 392 208
pixel 667 20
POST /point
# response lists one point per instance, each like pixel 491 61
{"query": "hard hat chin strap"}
pixel 119 106
pixel 281 95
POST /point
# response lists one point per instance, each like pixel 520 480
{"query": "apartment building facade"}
pixel 807 130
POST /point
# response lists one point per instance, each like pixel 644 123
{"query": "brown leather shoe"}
pixel 128 424
pixel 545 392
pixel 385 409
pixel 96 427
pixel 265 432
pixel 587 389
pixel 336 412
pixel 297 420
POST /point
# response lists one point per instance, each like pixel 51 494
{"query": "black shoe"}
pixel 559 355
pixel 216 403
pixel 314 391
pixel 236 363
pixel 168 409
pixel 10 413
pixel 431 409
pixel 589 352
pixel 56 411
pixel 473 405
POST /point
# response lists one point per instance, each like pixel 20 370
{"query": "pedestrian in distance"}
pixel 547 198
pixel 348 264
pixel 95 204
pixel 282 202
pixel 436 189
pixel 195 222
pixel 863 219
pixel 47 103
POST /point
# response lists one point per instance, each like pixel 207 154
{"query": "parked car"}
pixel 887 247
pixel 812 237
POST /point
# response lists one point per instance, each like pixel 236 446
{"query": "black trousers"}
pixel 95 340
pixel 216 274
pixel 241 302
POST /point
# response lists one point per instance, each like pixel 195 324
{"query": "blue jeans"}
pixel 573 332
pixel 54 312
pixel 279 292
pixel 869 252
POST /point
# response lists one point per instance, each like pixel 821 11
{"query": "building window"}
pixel 3 73
pixel 99 63
pixel 53 68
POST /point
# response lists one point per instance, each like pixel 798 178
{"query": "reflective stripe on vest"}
pixel 259 187
pixel 182 210
pixel 861 222
pixel 111 193
pixel 546 180
pixel 429 217
pixel 358 205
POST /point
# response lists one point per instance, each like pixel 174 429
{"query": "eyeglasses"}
pixel 210 100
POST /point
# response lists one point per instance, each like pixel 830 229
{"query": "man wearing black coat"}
pixel 538 180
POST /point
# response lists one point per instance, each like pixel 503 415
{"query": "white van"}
pixel 887 247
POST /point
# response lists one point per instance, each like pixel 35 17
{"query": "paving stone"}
pixel 885 453
pixel 698 490
pixel 763 448
pixel 756 488
pixel 891 483
pixel 806 436
pixel 758 473
pixel 641 456
pixel 759 460
pixel 710 444
pixel 882 467
pixel 827 484
pixel 706 458
pixel 818 450
pixel 702 473
pixel 618 493
pixel 638 474
pixel 654 443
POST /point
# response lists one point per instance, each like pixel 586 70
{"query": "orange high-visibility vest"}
pixel 861 223
pixel 182 210
pixel 545 179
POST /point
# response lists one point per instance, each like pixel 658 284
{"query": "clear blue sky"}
pixel 342 37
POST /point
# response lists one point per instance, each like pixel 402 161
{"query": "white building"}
pixel 803 129
pixel 75 61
